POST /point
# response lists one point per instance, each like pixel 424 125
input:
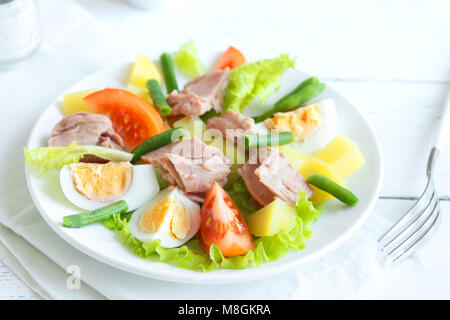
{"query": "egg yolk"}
pixel 102 182
pixel 302 122
pixel 167 212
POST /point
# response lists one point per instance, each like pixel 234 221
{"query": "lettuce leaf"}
pixel 308 212
pixel 255 79
pixel 188 60
pixel 238 192
pixel 45 159
pixel 163 183
pixel 191 256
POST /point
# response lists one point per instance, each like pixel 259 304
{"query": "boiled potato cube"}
pixel 316 165
pixel 307 165
pixel 276 216
pixel 142 71
pixel 196 127
pixel 295 157
pixel 343 154
pixel 73 102
pixel 143 93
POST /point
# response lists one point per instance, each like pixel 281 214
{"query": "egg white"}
pixel 324 134
pixel 143 187
pixel 163 233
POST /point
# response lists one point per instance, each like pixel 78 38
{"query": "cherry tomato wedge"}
pixel 223 224
pixel 133 118
pixel 232 58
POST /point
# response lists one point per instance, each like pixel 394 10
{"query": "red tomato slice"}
pixel 133 118
pixel 232 58
pixel 223 224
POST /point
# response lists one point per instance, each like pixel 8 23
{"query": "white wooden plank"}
pixel 12 288
pixel 378 40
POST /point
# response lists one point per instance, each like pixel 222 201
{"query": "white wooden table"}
pixel 391 59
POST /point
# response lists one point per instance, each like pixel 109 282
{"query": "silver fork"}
pixel 417 224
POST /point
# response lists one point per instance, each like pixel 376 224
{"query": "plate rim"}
pixel 209 277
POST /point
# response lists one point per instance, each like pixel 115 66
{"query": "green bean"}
pixel 290 99
pixel 266 140
pixel 97 215
pixel 158 97
pixel 327 185
pixel 157 141
pixel 210 114
pixel 297 99
pixel 168 71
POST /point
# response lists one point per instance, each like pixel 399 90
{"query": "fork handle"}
pixel 444 125
pixel 442 134
pixel 432 159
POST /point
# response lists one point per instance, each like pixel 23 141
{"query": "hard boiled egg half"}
pixel 170 217
pixel 93 185
pixel 313 125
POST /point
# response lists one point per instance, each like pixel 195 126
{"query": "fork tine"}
pixel 418 240
pixel 410 234
pixel 391 232
pixel 411 223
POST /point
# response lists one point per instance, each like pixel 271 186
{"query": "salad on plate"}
pixel 200 176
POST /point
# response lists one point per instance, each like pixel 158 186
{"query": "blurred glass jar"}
pixel 19 30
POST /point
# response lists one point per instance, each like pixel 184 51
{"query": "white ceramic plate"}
pixel 336 225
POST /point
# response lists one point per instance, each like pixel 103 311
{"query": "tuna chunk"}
pixel 191 165
pixel 233 125
pixel 273 177
pixel 86 129
pixel 200 95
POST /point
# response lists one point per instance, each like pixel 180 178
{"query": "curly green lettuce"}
pixel 188 60
pixel 308 212
pixel 237 190
pixel 191 256
pixel 255 79
pixel 45 159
